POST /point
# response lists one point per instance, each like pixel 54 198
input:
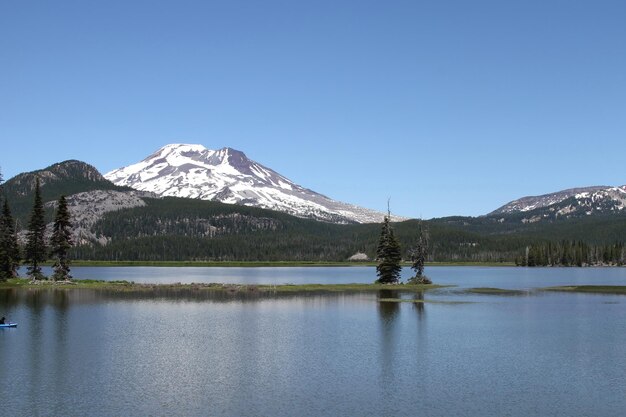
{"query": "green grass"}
pixel 595 289
pixel 14 283
pixel 284 288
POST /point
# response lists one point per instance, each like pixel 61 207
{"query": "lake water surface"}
pixel 464 277
pixel 80 352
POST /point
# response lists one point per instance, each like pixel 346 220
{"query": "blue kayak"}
pixel 8 325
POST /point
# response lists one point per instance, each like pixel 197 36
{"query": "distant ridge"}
pixel 63 178
pixel 573 202
pixel 89 196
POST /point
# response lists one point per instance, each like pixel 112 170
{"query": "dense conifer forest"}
pixel 178 229
pixel 568 253
pixel 182 229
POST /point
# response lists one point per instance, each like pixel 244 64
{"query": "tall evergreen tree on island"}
pixel 388 255
pixel 61 242
pixel 36 252
pixel 9 248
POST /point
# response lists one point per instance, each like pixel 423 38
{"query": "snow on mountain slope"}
pixel 534 202
pixel 227 175
pixel 575 201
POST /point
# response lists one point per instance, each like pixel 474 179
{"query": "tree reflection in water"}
pixel 418 304
pixel 388 309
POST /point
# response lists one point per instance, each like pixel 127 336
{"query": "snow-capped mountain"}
pixel 227 175
pixel 571 202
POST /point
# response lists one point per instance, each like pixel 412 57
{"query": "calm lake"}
pixel 80 352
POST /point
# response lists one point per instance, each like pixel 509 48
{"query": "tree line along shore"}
pixel 329 245
pixel 39 248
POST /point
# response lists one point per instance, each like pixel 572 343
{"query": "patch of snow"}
pixel 192 171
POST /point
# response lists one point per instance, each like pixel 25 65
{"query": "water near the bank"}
pixel 465 277
pixel 87 353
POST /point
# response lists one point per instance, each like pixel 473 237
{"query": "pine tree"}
pixel 9 248
pixel 35 251
pixel 389 256
pixel 61 242
pixel 418 258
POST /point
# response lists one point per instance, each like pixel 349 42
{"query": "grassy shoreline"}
pixel 126 286
pixel 270 264
pixel 157 290
pixel 589 289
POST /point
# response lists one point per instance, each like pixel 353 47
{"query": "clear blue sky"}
pixel 446 107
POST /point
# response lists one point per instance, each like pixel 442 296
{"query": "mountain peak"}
pixel 182 147
pixel 533 202
pixel 70 169
pixel 178 150
pixel 568 203
pixel 177 154
pixel 229 176
pixel 63 178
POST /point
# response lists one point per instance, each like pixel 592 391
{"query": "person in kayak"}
pixel 2 320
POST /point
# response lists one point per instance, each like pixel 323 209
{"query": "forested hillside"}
pixel 65 178
pixel 184 229
pixel 179 229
